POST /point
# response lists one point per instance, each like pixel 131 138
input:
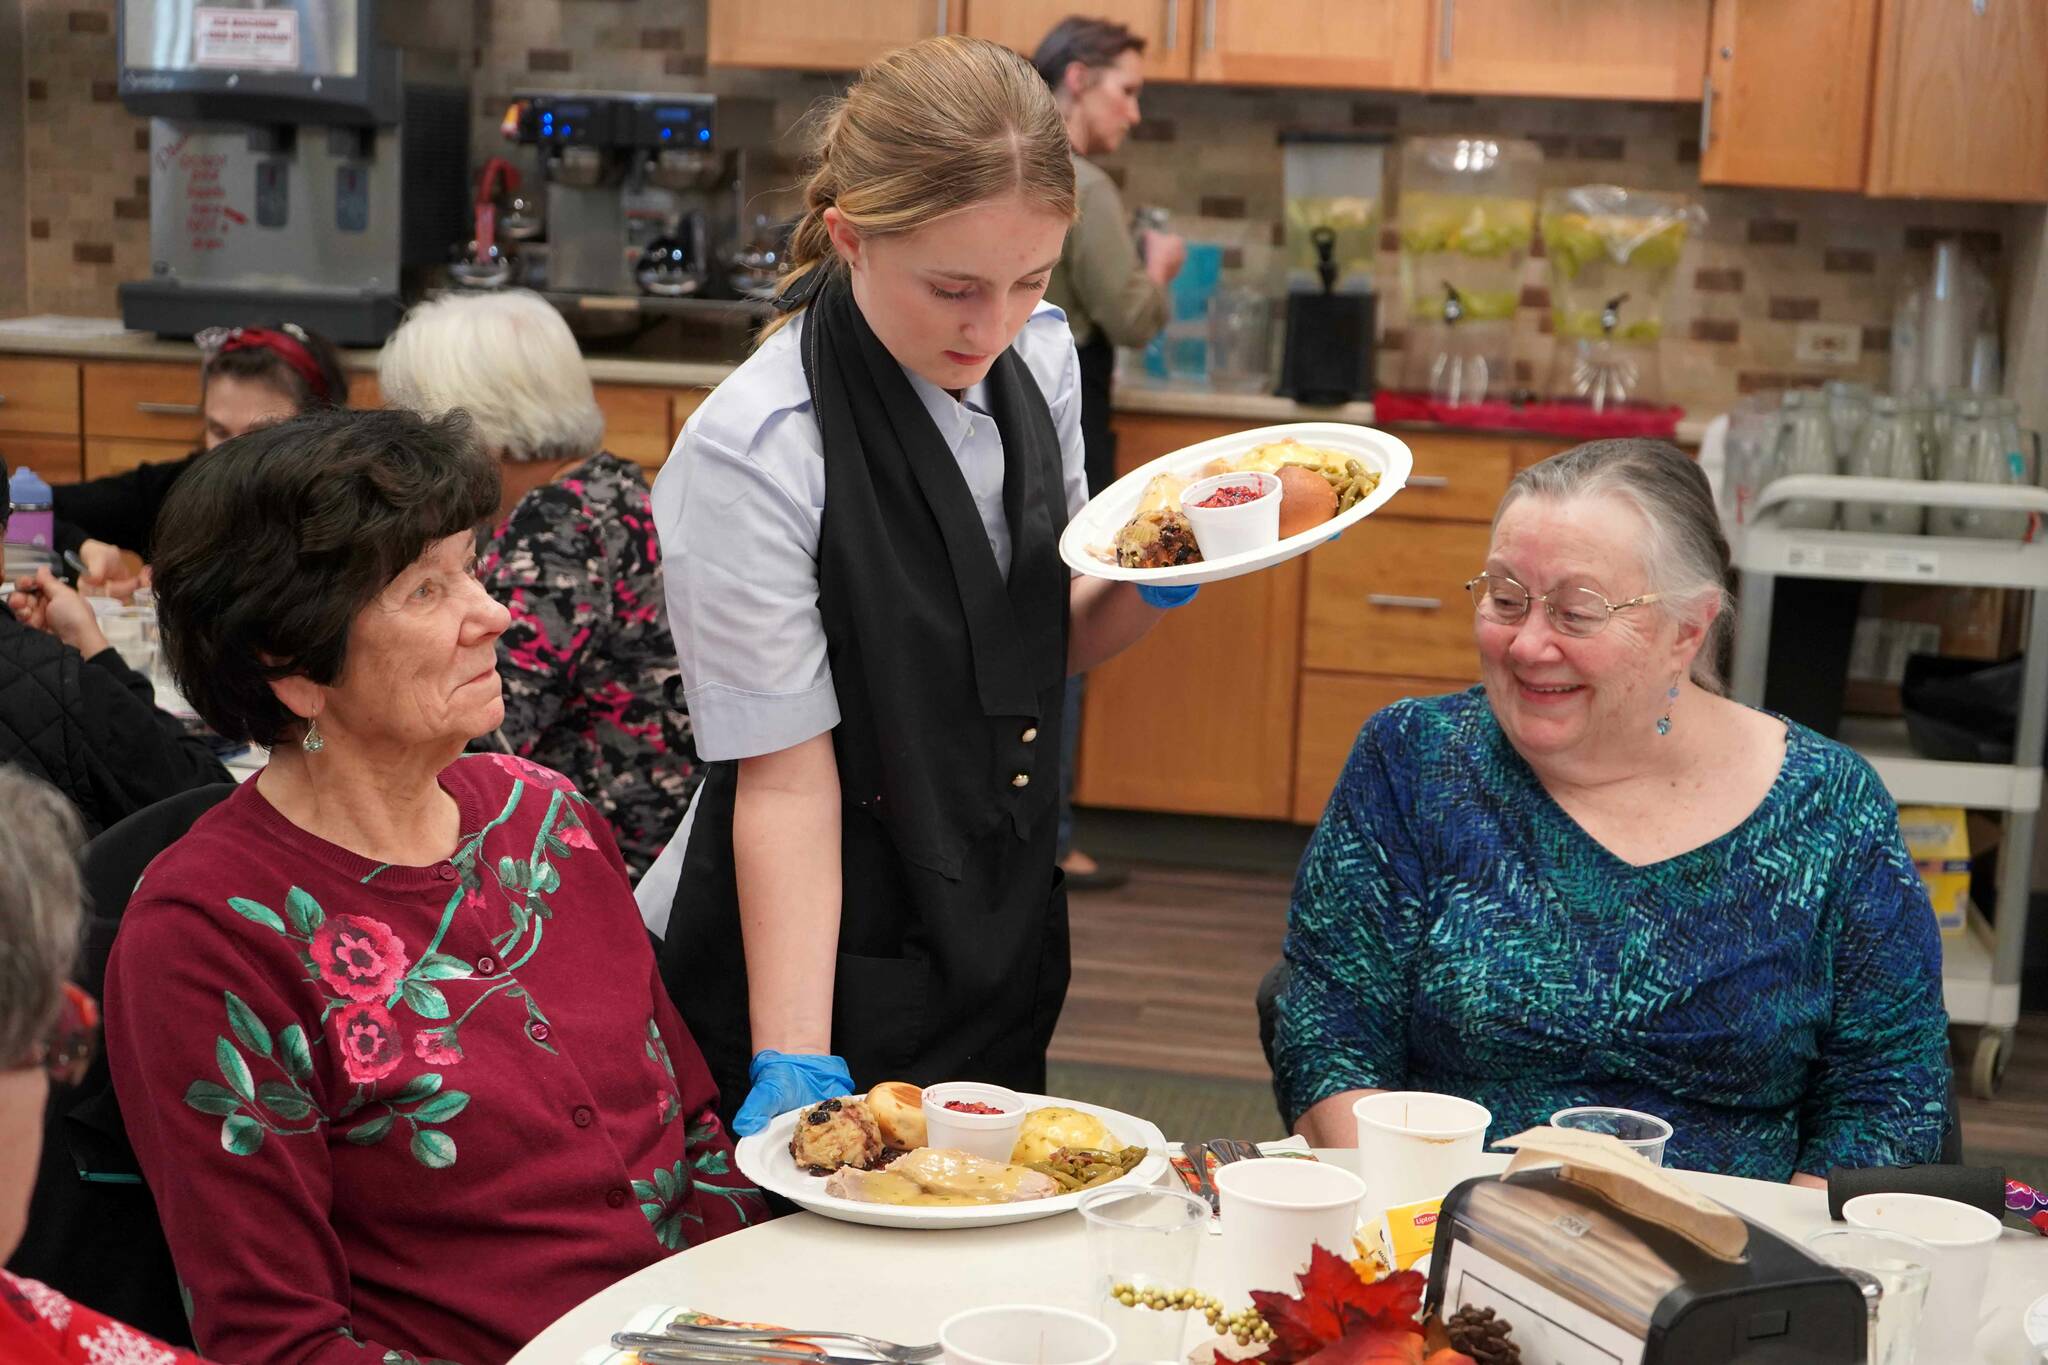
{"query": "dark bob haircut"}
pixel 270 545
pixel 1093 43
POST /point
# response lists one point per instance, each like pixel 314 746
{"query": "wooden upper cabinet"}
pixel 822 35
pixel 1167 26
pixel 1960 110
pixel 1776 116
pixel 1583 49
pixel 1376 44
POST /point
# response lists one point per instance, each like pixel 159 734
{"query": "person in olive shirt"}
pixel 1110 296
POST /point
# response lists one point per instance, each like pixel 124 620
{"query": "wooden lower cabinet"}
pixel 636 423
pixel 364 390
pixel 1333 707
pixel 142 400
pixel 1389 598
pixel 55 459
pixel 106 455
pixel 38 397
pixel 1198 717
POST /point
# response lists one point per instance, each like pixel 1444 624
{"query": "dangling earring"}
pixel 313 741
pixel 1664 721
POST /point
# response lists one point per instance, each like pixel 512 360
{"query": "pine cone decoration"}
pixel 1484 1337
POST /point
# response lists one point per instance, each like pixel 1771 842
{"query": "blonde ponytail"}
pixel 928 131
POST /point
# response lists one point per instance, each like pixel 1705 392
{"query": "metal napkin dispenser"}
pixel 1590 1270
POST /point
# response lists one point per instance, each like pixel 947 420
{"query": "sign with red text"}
pixel 262 39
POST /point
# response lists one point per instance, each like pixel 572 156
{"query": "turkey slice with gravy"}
pixel 932 1176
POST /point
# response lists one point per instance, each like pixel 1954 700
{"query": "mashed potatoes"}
pixel 1047 1130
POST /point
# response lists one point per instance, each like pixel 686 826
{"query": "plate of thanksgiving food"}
pixel 957 1155
pixel 1235 504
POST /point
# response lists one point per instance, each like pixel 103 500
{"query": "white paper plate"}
pixel 764 1159
pixel 1098 522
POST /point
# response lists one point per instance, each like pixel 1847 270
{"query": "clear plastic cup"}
pixel 1901 1267
pixel 1143 1239
pixel 1643 1134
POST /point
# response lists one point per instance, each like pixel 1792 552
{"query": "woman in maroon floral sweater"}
pixel 385 1026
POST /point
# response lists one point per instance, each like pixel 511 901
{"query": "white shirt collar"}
pixel 953 417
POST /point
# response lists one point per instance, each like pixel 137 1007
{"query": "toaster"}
pixel 1580 1279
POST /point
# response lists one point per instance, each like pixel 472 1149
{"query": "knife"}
pixel 654 1348
pixel 1198 1157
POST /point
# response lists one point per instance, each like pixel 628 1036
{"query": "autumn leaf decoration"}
pixel 1340 1319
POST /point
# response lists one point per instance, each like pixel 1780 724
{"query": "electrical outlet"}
pixel 1828 343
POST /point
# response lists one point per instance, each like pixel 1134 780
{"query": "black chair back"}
pixel 93 1231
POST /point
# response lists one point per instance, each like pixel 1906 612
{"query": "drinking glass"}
pixel 1142 1239
pixel 1902 1268
pixel 1848 404
pixel 1643 1134
pixel 1240 341
pixel 1888 447
pixel 1805 447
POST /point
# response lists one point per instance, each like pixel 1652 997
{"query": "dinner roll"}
pixel 898 1107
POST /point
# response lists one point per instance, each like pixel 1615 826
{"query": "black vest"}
pixel 953 957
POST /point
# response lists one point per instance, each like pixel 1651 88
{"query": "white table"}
pixel 808 1271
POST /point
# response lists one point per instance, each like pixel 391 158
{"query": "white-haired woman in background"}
pixel 587 660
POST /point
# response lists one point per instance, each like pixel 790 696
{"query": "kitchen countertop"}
pixel 1158 399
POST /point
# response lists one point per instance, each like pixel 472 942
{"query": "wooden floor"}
pixel 1165 969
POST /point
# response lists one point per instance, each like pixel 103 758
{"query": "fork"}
pixel 740 1338
pixel 1228 1150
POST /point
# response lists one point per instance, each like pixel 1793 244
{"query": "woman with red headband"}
pixel 251 376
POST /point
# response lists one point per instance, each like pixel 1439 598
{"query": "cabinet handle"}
pixel 1429 481
pixel 943 6
pixel 1172 24
pixel 1447 20
pixel 169 409
pixel 1208 25
pixel 1977 7
pixel 3 400
pixel 1707 116
pixel 1387 599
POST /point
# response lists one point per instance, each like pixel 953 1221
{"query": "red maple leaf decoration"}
pixel 1336 1307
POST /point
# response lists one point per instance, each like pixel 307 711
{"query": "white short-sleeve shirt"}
pixel 739 505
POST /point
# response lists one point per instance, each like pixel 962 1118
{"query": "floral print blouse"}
pixel 39 1326
pixel 587 661
pixel 397 1113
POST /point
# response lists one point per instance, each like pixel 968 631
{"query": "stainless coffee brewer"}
pixel 299 164
pixel 644 192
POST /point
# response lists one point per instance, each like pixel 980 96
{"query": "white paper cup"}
pixel 1025 1334
pixel 1226 531
pixel 1414 1145
pixel 993 1136
pixel 1960 1239
pixel 1274 1211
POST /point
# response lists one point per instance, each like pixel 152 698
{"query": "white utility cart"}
pixel 1980 967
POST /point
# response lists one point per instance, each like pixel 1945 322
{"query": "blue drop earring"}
pixel 1664 721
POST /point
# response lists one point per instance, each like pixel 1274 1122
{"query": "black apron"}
pixel 953 949
pixel 1098 437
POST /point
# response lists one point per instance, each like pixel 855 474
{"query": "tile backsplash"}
pixel 1765 262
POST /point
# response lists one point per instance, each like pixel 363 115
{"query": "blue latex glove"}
pixel 783 1081
pixel 1167 597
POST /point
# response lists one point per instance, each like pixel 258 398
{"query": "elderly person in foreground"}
pixel 385 1025
pixel 47 1032
pixel 587 659
pixel 1596 880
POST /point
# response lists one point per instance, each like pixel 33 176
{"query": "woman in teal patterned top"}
pixel 1595 880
